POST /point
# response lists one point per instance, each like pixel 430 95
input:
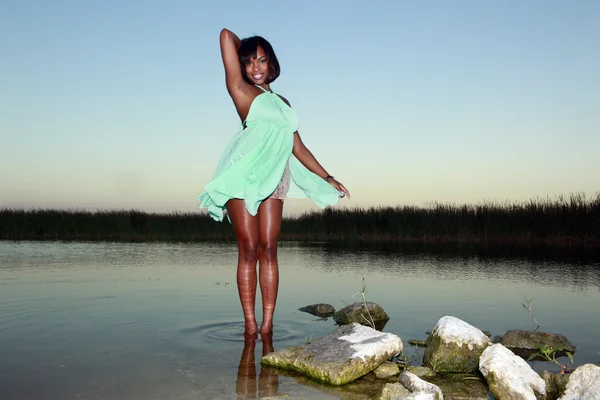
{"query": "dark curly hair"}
pixel 247 51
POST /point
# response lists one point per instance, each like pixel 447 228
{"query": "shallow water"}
pixel 162 320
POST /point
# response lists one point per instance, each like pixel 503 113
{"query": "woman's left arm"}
pixel 307 159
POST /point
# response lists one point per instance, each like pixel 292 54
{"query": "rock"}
pixel 454 387
pixel 416 384
pixel 462 387
pixel 320 310
pixel 418 343
pixel 555 384
pixel 454 346
pixel 497 339
pixel 392 391
pixel 509 377
pixel 386 370
pixel 584 384
pixel 357 312
pixel 524 343
pixel 344 355
pixel 421 372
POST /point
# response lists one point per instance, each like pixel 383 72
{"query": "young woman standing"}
pixel 265 162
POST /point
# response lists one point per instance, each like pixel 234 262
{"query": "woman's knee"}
pixel 267 251
pixel 248 250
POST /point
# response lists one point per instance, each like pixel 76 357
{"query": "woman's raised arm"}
pixel 230 44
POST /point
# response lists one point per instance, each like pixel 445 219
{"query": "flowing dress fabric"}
pixel 255 160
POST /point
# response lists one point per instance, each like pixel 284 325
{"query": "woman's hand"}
pixel 339 187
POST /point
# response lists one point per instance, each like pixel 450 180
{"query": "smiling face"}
pixel 257 68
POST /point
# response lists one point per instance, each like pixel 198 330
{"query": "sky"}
pixel 121 104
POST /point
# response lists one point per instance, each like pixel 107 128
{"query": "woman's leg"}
pixel 245 227
pixel 269 219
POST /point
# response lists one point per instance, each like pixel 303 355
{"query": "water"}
pixel 163 320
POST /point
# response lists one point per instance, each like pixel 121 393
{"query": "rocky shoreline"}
pixel 460 362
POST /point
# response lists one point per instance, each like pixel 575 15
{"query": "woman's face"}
pixel 257 69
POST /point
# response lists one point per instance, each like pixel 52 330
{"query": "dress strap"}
pixel 263 89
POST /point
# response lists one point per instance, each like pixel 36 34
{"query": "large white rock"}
pixel 416 384
pixel 584 384
pixel 509 377
pixel 454 346
pixel 344 355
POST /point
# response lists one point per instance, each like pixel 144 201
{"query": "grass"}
pixel 527 305
pixel 562 221
pixel 363 293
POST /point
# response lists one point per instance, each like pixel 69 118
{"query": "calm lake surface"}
pixel 163 320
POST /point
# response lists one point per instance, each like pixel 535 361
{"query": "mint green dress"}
pixel 255 160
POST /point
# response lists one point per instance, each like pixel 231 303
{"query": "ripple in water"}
pixel 234 331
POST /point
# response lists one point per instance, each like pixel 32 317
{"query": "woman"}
pixel 261 165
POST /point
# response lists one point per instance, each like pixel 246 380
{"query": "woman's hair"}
pixel 247 51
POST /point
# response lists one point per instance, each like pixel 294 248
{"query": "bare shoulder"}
pixel 284 100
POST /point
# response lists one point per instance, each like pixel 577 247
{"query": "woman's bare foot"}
pixel 250 337
pixel 266 327
pixel 250 328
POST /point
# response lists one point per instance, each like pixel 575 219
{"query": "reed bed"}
pixel 572 220
pixel 122 225
pixel 563 219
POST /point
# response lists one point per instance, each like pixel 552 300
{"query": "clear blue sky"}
pixel 122 104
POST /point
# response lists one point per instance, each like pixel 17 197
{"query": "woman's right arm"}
pixel 230 44
pixel 236 85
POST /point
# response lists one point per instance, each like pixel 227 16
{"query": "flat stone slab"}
pixel 344 355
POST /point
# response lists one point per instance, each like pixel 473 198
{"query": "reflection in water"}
pixel 268 381
pixel 545 266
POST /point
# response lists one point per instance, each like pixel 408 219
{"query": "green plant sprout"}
pixel 549 354
pixel 527 305
pixel 363 293
pixel 402 360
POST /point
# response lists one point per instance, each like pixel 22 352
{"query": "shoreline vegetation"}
pixel 560 222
